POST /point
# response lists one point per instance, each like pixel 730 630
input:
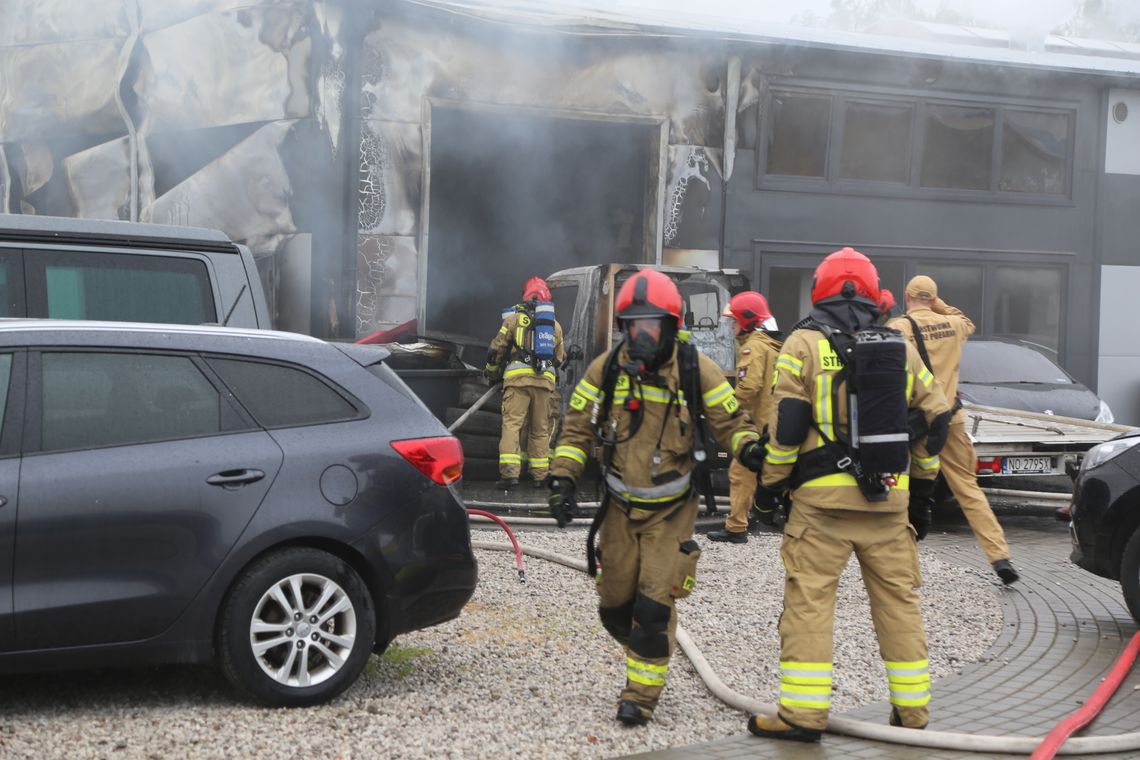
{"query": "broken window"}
pixel 876 141
pixel 797 140
pixel 1034 152
pixel 957 149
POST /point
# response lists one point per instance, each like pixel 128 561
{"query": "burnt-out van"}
pixel 61 268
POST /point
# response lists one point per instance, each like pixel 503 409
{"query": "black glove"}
pixel 563 503
pixel 574 353
pixel 491 373
pixel 752 456
pixel 918 511
pixel 769 504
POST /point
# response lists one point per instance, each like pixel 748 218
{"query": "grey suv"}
pixel 279 504
pixel 63 268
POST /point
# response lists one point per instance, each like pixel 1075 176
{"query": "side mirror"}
pixel 574 353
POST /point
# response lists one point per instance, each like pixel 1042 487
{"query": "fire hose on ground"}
pixel 1056 742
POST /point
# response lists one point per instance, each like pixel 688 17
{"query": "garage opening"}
pixel 516 195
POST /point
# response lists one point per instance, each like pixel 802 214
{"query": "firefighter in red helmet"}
pixel 758 345
pixel 643 402
pixel 849 489
pixel 530 342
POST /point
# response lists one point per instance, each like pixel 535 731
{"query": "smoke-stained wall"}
pixel 413 60
pixel 212 113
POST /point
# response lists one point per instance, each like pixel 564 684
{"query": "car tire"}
pixel 285 651
pixel 1130 575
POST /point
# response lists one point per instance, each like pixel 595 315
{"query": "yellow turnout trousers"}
pixel 522 403
pixel 741 493
pixel 817 545
pixel 644 569
pixel 959 464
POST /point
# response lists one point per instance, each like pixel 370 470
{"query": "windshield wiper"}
pixel 230 313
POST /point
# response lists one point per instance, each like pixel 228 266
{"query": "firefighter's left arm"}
pixel 730 426
pixel 751 379
pixel 925 394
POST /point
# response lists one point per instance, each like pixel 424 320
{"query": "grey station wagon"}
pixel 277 504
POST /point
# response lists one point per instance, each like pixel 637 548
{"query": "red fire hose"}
pixel 514 542
pixel 1052 742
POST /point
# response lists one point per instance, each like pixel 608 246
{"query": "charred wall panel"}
pixel 219 113
pixel 411 60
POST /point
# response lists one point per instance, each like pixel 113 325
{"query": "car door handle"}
pixel 235 477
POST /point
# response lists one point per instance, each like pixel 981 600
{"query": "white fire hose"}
pixel 946 740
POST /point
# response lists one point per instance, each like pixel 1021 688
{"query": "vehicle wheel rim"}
pixel 302 630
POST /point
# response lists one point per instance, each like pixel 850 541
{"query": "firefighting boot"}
pixel 729 536
pixel 776 728
pixel 897 722
pixel 633 714
pixel 1005 571
pixel 506 484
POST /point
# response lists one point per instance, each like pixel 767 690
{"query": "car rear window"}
pixel 992 362
pixel 120 288
pixel 283 396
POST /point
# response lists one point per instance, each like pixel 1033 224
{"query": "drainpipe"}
pixel 728 157
pixel 132 136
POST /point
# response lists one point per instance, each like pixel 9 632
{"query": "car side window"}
pixel 281 396
pixel 93 399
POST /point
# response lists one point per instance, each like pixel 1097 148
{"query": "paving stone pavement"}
pixel 1063 629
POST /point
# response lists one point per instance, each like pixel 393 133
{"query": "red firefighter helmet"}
pixel 886 301
pixel 648 293
pixel 846 273
pixel 750 310
pixel 536 288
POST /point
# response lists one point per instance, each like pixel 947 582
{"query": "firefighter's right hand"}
pixel 918 511
pixel 752 456
pixel 768 503
pixel 563 502
pixel 491 373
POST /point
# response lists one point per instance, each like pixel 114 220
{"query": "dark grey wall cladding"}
pixel 939 227
pixel 1119 228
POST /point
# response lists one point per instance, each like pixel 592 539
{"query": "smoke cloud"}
pixel 1106 19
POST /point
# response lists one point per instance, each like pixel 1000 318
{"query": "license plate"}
pixel 1027 465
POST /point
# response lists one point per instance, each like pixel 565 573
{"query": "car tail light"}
pixel 441 459
pixel 988 466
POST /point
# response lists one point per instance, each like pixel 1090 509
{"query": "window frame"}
pixel 34 418
pixel 769 255
pixel 919 101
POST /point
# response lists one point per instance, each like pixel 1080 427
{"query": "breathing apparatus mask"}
pixel 649 340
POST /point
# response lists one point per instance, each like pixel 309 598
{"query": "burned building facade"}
pixel 417 160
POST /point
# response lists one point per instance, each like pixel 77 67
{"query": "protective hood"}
pixel 847 314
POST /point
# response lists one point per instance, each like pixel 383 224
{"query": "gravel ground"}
pixel 527 670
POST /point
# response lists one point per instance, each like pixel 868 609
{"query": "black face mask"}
pixel 647 351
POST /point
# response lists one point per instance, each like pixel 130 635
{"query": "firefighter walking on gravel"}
pixel 840 444
pixel 530 342
pixel 758 345
pixel 644 402
pixel 939 331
